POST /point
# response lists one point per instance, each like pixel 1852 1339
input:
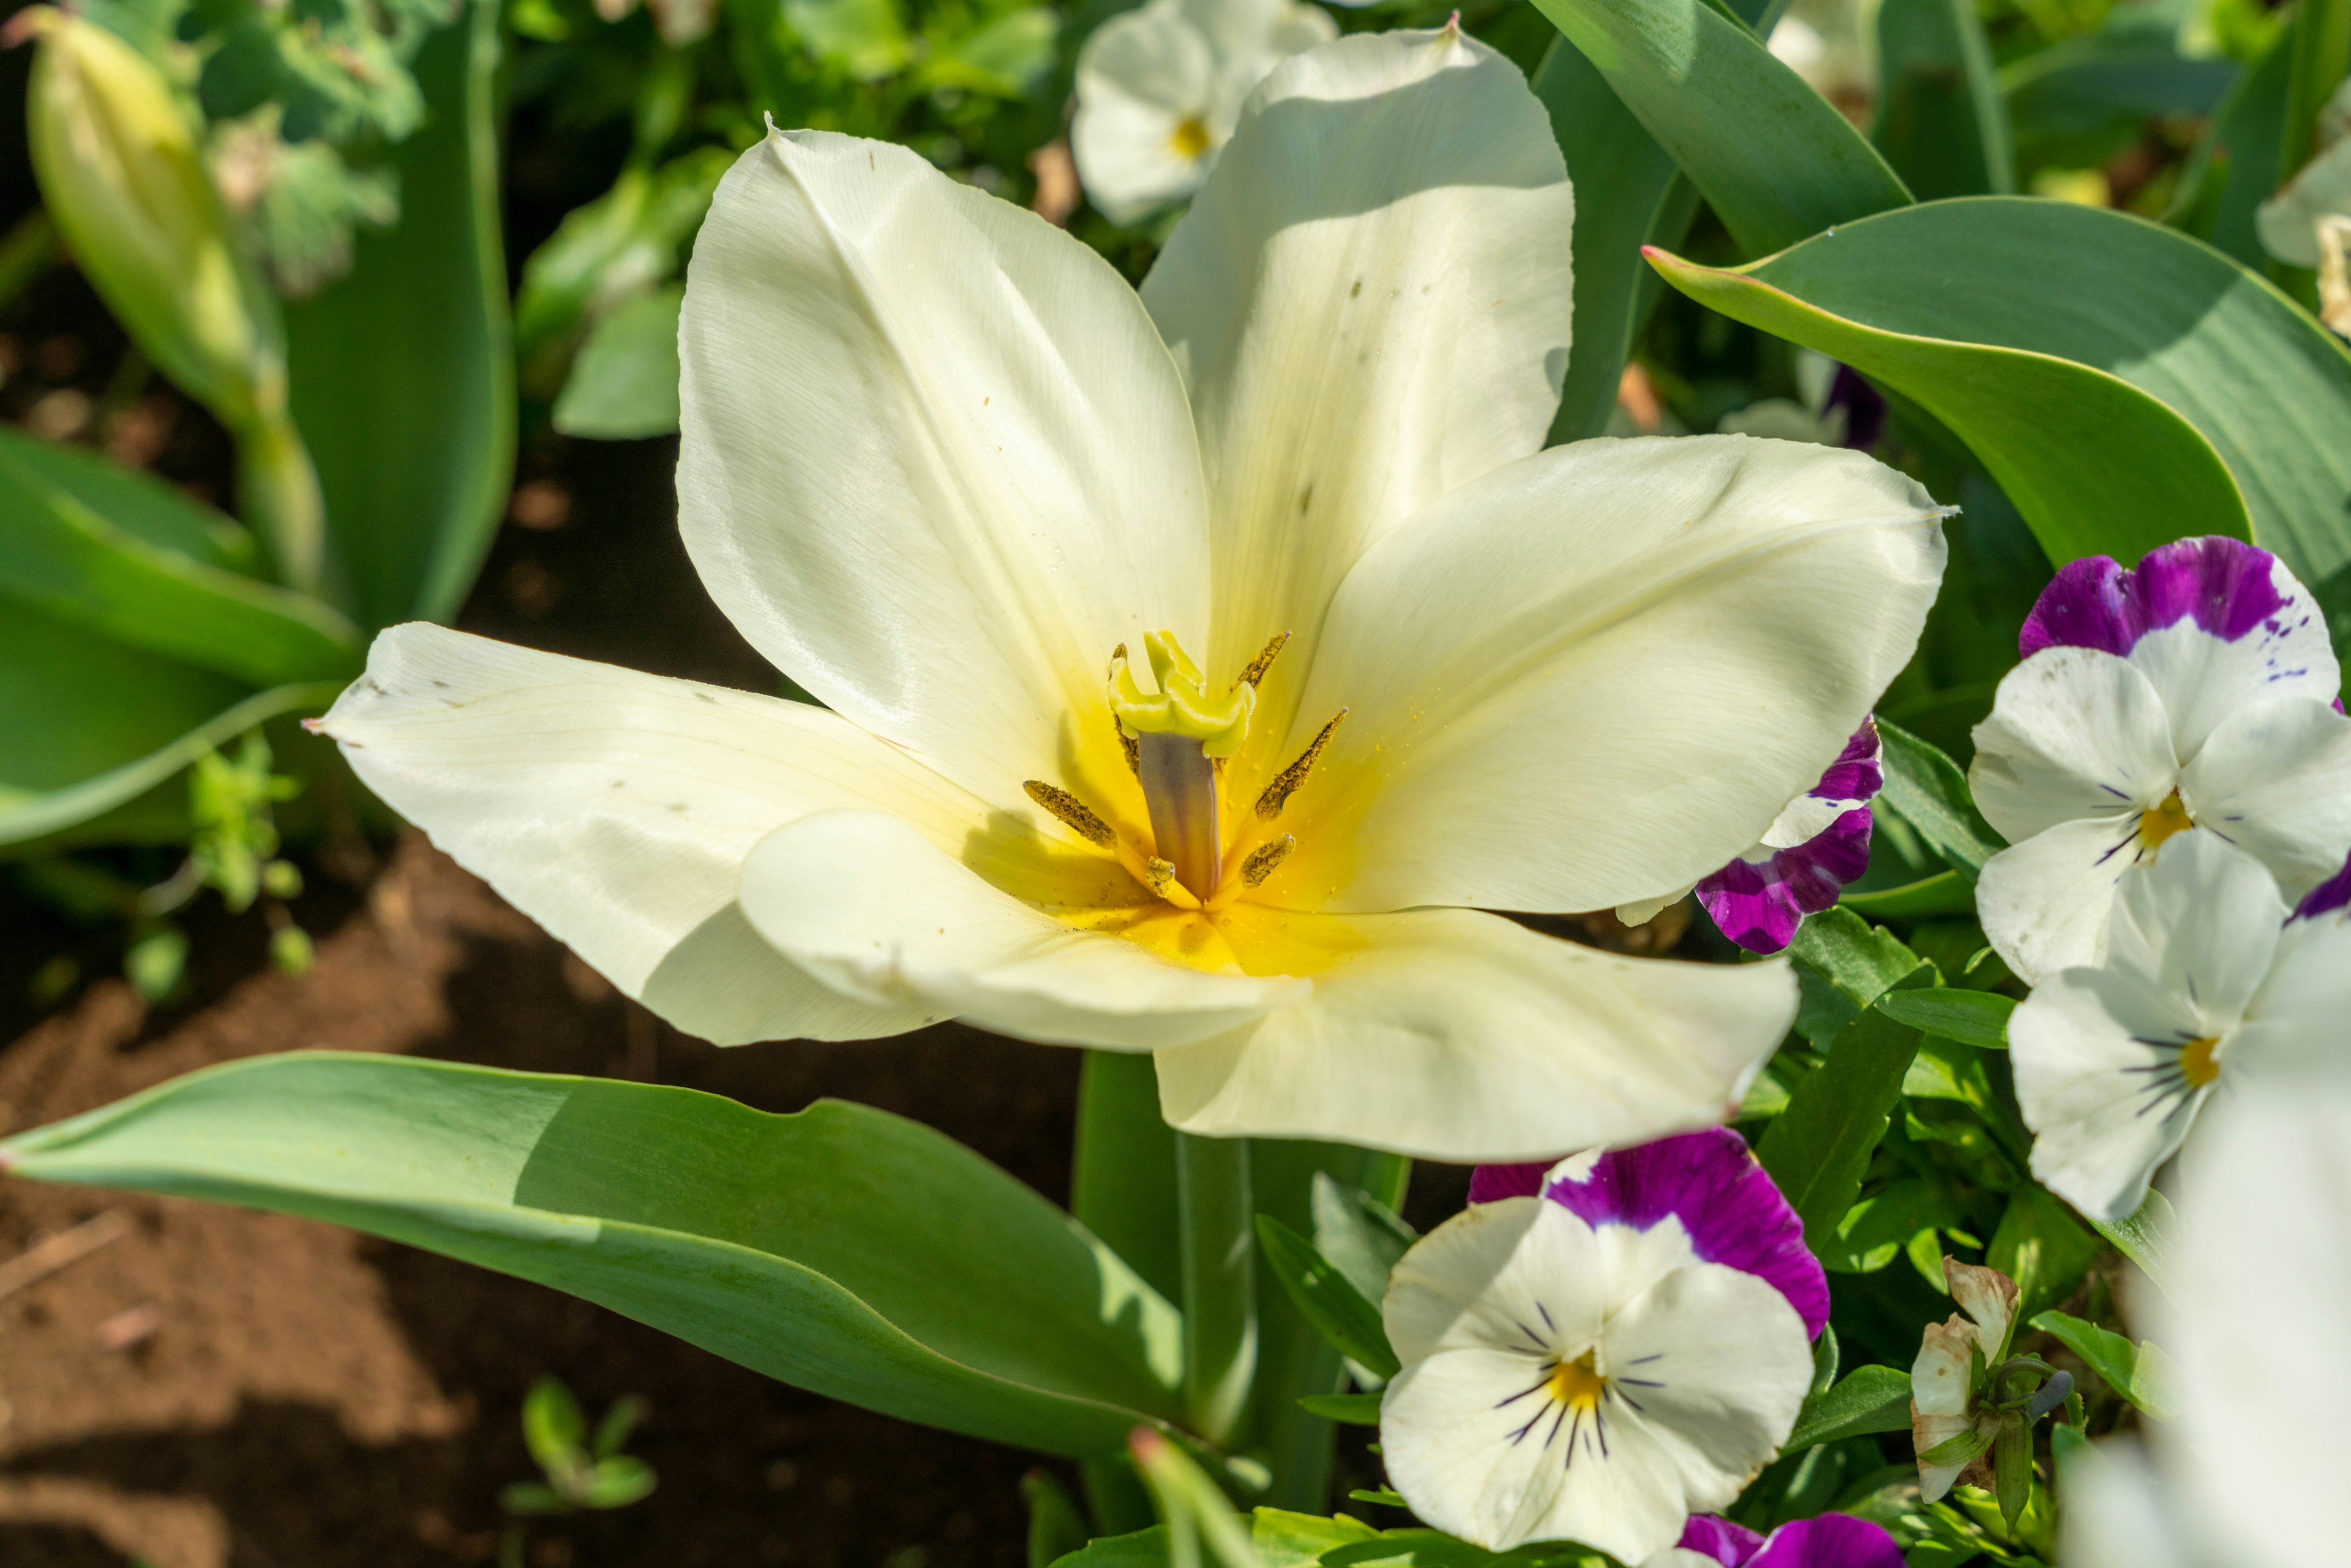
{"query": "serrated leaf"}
pixel 1874 1231
pixel 1972 1018
pixel 1868 1399
pixel 1337 1310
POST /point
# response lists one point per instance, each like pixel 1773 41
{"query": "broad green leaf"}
pixel 864 40
pixel 1347 1409
pixel 841 1249
pixel 1056 1525
pixel 1122 1172
pixel 402 373
pixel 1860 959
pixel 2043 1248
pixel 2146 1238
pixel 1819 1148
pixel 2125 385
pixel 623 385
pixel 1335 1308
pixel 154 513
pixel 1002 57
pixel 1942 123
pixel 2234 167
pixel 1628 195
pixel 1868 1399
pixel 2081 100
pixel 59 553
pixel 2125 1367
pixel 1932 793
pixel 1975 1018
pixel 618 1482
pixel 1776 162
pixel 1874 1231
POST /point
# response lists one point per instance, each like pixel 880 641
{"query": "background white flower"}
pixel 2308 222
pixel 2195 693
pixel 1942 1390
pixel 1160 89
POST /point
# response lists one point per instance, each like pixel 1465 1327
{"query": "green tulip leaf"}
pixel 623 385
pixel 1942 123
pixel 843 1249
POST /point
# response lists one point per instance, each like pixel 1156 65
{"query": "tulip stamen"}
pixel 1254 674
pixel 1074 813
pixel 1265 860
pixel 1286 783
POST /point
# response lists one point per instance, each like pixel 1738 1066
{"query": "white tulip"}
pixel 939 462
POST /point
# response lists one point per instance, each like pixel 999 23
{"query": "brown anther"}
pixel 1265 860
pixel 1263 662
pixel 1074 812
pixel 1286 783
pixel 1159 875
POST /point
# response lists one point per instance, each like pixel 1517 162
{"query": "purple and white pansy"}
pixel 2199 983
pixel 1831 1540
pixel 1594 1352
pixel 1808 854
pixel 2197 692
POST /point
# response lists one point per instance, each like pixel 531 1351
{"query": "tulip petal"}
pixel 873 908
pixel 616 809
pixel 935 462
pixel 1369 301
pixel 1456 1034
pixel 1602 673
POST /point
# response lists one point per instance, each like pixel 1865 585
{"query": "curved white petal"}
pixel 2296 1021
pixel 1455 1035
pixel 2203 678
pixel 616 809
pixel 1369 301
pixel 2275 780
pixel 2116 1515
pixel 1141 78
pixel 877 911
pixel 1478 1280
pixel 2043 902
pixel 935 462
pixel 1601 673
pixel 2199 923
pixel 2074 732
pixel 2288 222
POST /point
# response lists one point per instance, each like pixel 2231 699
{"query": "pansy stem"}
pixel 1215 1211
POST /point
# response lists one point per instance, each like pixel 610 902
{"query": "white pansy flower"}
pixel 2252 1472
pixel 939 462
pixel 2308 222
pixel 2195 693
pixel 1600 1360
pixel 1943 1377
pixel 2199 986
pixel 1160 89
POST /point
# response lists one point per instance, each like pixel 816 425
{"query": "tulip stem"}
pixel 277 489
pixel 1214 1217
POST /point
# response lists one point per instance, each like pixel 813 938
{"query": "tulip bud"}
pixel 123 177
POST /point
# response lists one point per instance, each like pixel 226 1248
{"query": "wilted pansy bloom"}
pixel 2196 692
pixel 2308 222
pixel 1160 89
pixel 1595 1362
pixel 1831 1540
pixel 961 484
pixel 1943 1379
pixel 2198 985
pixel 1808 854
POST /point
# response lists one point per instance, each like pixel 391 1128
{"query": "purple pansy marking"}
pixel 1865 410
pixel 1760 899
pixel 2328 896
pixel 2227 587
pixel 1831 1540
pixel 1731 1209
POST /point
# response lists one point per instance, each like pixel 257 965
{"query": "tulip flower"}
pixel 1595 1363
pixel 963 486
pixel 2196 693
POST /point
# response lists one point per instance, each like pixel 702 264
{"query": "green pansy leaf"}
pixel 864 40
pixel 2125 385
pixel 1868 1399
pixel 1945 893
pixel 1874 1231
pixel 2146 1238
pixel 1773 158
pixel 1361 1235
pixel 623 385
pixel 1860 959
pixel 843 1249
pixel 1931 794
pixel 1337 1310
pixel 1974 1018
pixel 1819 1148
pixel 2132 1371
pixel 2043 1248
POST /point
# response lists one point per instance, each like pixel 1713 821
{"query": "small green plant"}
pixel 580 1474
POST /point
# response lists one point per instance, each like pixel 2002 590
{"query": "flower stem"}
pixel 278 489
pixel 1219 1281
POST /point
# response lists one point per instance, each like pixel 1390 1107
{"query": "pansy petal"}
pixel 1369 301
pixel 2199 923
pixel 2043 902
pixel 2118 1515
pixel 1720 1540
pixel 616 809
pixel 1601 672
pixel 1503 1273
pixel 2214 623
pixel 2274 779
pixel 1140 78
pixel 1709 1180
pixel 1760 899
pixel 2297 1016
pixel 1455 1035
pixel 935 462
pixel 2074 732
pixel 1830 1541
pixel 878 912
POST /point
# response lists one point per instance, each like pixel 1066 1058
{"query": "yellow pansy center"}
pixel 2200 1061
pixel 1190 139
pixel 2157 824
pixel 1576 1383
pixel 1177 739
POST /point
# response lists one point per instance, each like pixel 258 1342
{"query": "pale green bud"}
pixel 123 177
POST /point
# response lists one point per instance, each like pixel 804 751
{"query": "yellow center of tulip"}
pixel 2160 823
pixel 1190 140
pixel 1576 1385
